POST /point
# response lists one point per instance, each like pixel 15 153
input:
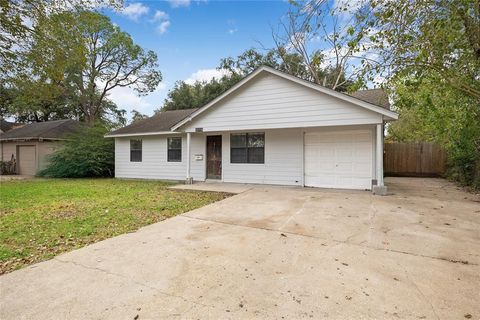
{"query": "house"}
pixel 270 128
pixel 30 145
pixel 7 125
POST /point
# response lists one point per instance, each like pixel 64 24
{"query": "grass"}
pixel 42 218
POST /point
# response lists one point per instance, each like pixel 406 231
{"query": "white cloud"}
pixel 206 75
pixel 135 10
pixel 126 98
pixel 162 27
pixel 179 3
pixel 232 31
pixel 163 19
pixel 160 16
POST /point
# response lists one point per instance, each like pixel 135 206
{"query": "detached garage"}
pixel 270 128
pixel 29 146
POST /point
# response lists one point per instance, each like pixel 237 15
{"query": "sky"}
pixel 191 37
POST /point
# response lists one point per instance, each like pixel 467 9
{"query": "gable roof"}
pixel 50 130
pixel 159 123
pixel 374 96
pixel 388 115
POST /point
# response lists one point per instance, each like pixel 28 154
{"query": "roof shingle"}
pixel 160 122
pixel 374 96
pixel 57 129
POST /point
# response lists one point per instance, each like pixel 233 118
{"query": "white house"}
pixel 270 128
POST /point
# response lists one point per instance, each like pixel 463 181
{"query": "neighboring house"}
pixel 270 128
pixel 7 125
pixel 30 144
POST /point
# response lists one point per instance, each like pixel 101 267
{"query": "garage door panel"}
pixel 344 152
pixel 345 168
pixel 362 168
pixel 339 159
pixel 363 137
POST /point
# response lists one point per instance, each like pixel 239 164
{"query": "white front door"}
pixel 339 159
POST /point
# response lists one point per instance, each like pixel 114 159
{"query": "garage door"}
pixel 339 159
pixel 26 160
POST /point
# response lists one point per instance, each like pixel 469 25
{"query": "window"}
pixel 247 148
pixel 136 150
pixel 174 149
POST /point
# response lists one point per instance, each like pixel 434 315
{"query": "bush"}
pixel 464 155
pixel 7 167
pixel 84 154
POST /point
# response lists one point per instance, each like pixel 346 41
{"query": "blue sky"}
pixel 190 38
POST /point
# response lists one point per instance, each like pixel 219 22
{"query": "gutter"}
pixel 119 135
pixel 31 138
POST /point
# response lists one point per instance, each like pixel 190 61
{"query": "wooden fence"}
pixel 414 159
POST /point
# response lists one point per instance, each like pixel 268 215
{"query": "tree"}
pixel 430 55
pixel 186 96
pixel 329 41
pixel 18 18
pixel 109 59
pixel 72 63
pixel 278 58
pixel 137 116
pixel 441 38
pixel 432 111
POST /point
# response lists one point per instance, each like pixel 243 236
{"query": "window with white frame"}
pixel 136 150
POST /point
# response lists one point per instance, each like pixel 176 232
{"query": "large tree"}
pixel 196 95
pixel 18 18
pixel 73 62
pixel 430 56
pixel 438 37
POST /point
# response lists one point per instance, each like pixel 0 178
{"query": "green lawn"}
pixel 41 218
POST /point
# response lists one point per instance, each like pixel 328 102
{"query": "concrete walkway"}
pixel 15 177
pixel 273 253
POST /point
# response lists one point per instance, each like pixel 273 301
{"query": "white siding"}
pixel 154 163
pixel 198 147
pixel 283 160
pixel 273 102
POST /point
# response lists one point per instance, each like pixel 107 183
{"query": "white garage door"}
pixel 339 159
pixel 26 160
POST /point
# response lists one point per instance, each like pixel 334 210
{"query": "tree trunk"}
pixel 90 119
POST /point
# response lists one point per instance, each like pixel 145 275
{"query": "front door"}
pixel 214 157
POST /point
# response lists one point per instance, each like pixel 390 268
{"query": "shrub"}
pixel 7 167
pixel 84 154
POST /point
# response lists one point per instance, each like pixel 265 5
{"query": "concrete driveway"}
pixel 273 252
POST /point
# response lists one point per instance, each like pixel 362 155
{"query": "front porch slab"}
pixel 215 186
